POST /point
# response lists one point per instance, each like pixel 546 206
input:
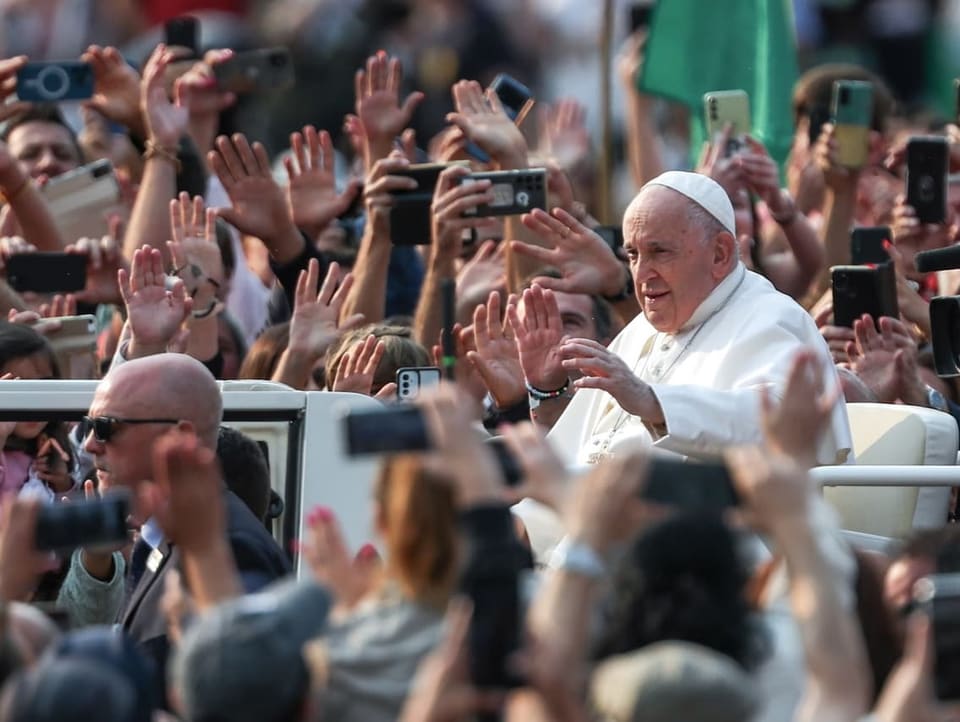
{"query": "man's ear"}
pixel 724 254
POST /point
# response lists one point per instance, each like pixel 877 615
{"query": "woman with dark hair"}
pixel 683 580
pixel 37 456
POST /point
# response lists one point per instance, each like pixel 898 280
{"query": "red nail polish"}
pixel 324 514
pixel 368 552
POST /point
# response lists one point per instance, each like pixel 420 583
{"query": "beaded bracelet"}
pixel 541 395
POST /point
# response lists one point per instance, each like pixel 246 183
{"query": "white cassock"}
pixel 706 377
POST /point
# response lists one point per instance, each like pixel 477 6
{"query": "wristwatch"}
pixel 936 400
pixel 577 558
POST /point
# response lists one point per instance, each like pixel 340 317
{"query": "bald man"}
pixel 136 403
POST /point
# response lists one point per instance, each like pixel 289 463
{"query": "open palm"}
pixel 539 333
pixel 154 313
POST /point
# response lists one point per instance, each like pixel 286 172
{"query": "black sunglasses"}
pixel 104 427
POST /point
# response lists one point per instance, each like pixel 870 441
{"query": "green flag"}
pixel 696 46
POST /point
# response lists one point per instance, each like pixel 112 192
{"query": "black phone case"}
pixel 47 272
pixel 927 160
pixel 692 486
pixel 410 212
pixel 866 245
pixel 858 290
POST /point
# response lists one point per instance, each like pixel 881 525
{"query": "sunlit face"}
pixel 674 265
pixel 126 459
pixel 32 367
pixel 43 148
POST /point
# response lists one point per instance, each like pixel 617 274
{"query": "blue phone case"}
pixel 55 82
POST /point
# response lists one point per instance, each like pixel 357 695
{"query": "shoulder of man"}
pixel 254 550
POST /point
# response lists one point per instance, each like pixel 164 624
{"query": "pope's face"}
pixel 674 262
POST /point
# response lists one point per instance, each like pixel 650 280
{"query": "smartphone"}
pixel 517 101
pixel 256 71
pixel 183 32
pixel 939 596
pixel 690 485
pixel 860 289
pixel 514 192
pixel 866 245
pixel 410 210
pixel 82 200
pixel 612 235
pixel 398 429
pixel 851 109
pixel 728 107
pixel 99 522
pixel 55 82
pixel 410 379
pixel 927 164
pixel 47 272
pixel 75 346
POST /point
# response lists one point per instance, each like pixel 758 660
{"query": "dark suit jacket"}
pixel 259 560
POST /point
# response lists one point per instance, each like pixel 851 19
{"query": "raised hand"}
pixel 539 333
pixel 187 493
pixel 315 323
pixel 165 122
pixel 9 68
pixel 153 313
pixel 259 207
pixel 886 361
pixel 332 565
pixel 910 233
pixel 482 120
pixel 602 369
pixel 312 193
pixel 761 175
pixel 104 259
pixel 194 250
pixel 563 132
pixel 116 88
pixel 496 357
pixel 377 94
pixel 794 425
pixel 451 200
pixel 586 263
pixel 358 366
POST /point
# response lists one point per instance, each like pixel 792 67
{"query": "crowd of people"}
pixel 575 593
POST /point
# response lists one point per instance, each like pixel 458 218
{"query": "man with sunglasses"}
pixel 136 404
